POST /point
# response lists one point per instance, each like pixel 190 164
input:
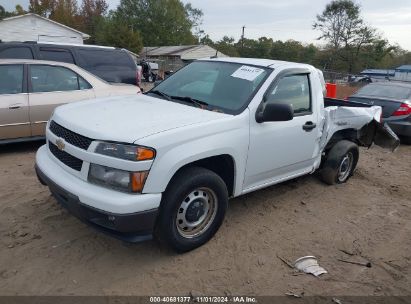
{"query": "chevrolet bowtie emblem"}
pixel 60 144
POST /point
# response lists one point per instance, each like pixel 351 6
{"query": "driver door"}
pixel 51 86
pixel 284 149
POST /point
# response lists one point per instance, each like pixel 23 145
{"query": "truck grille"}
pixel 75 139
pixel 67 159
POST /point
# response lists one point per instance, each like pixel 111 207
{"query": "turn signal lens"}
pixel 124 151
pixel 138 180
pixel 144 154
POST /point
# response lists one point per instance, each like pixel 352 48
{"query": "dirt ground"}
pixel 46 251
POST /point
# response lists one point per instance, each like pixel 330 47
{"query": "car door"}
pixel 283 150
pixel 59 54
pixel 49 87
pixel 14 108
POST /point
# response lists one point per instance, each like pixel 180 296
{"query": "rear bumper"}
pixel 135 227
pixel 401 127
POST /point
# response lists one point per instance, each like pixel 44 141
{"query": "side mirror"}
pixel 274 112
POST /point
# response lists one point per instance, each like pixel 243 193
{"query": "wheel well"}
pixel 222 165
pixel 346 134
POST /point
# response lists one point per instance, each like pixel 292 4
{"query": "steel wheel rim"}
pixel 345 167
pixel 206 200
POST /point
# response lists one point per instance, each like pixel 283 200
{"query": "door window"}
pixel 47 78
pixel 59 55
pixel 93 59
pixel 83 85
pixel 11 79
pixel 17 53
pixel 293 90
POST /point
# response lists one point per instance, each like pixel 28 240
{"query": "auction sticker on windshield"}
pixel 247 72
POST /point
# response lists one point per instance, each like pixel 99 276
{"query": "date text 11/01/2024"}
pixel 203 299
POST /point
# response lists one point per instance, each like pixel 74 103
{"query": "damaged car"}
pixel 165 164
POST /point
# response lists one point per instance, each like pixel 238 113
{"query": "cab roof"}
pixel 256 62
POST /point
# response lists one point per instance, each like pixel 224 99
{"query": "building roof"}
pixel 185 52
pixel 84 35
pixel 378 72
pixel 404 68
pixel 402 84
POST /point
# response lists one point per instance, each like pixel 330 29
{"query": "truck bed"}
pixel 366 119
pixel 330 102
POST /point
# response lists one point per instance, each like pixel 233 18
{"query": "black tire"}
pixel 170 229
pixel 333 171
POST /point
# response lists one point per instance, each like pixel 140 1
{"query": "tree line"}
pixel 348 43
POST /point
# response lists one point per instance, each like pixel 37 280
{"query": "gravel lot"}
pixel 46 251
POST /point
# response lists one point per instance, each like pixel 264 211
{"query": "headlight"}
pixel 127 152
pixel 117 179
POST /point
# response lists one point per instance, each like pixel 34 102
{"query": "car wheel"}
pixel 192 209
pixel 340 163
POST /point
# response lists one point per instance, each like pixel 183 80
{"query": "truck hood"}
pixel 129 118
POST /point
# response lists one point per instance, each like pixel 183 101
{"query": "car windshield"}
pixel 213 85
pixel 385 91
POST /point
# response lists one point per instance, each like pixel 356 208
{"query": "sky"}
pixel 287 19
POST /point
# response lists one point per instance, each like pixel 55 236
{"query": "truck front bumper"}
pixel 68 190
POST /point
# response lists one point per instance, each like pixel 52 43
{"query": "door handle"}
pixel 309 126
pixel 15 107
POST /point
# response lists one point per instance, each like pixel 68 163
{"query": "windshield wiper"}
pixel 159 93
pixel 199 103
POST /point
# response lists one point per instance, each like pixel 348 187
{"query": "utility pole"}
pixel 242 37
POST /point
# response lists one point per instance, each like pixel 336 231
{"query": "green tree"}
pixel 343 28
pixel 289 50
pixel 195 16
pixel 42 7
pixel 206 40
pixel 3 13
pixel 373 56
pixel 113 32
pixel 92 14
pixel 65 12
pixel 227 46
pixel 20 10
pixel 259 48
pixel 160 22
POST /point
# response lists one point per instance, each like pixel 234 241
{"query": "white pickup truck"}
pixel 166 163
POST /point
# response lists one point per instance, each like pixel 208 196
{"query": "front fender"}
pixel 178 148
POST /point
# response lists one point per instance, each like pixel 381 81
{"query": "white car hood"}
pixel 129 118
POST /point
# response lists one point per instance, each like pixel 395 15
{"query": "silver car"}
pixel 30 90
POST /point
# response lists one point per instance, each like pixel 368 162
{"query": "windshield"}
pixel 215 85
pixel 385 91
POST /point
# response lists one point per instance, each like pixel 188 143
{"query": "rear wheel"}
pixel 192 209
pixel 340 163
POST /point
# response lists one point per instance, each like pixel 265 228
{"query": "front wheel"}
pixel 340 163
pixel 192 209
